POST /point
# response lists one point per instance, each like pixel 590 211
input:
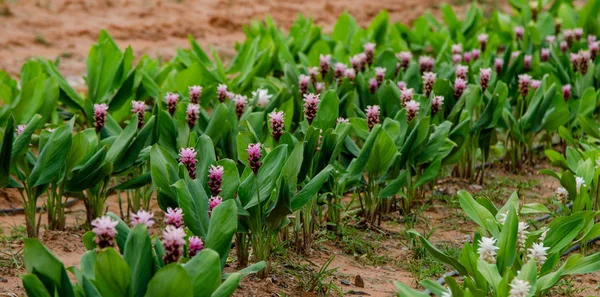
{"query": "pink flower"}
pixel 406 95
pixel 428 81
pixel 527 62
pixel 324 63
pixel 356 62
pixel 519 32
pixel 343 121
pixel 172 99
pixel 222 92
pixel 483 40
pixel 215 179
pixel 173 242
pixel 459 87
pixel 436 104
pixel 484 77
pixel 372 116
pixel 380 74
pixel 311 106
pixel 174 217
pixel 196 245
pixel 578 33
pixel 457 49
pixel 569 36
pixel 303 83
pixel 412 109
pixel 100 111
pixel 467 57
pixel 350 73
pixel 535 84
pixel 319 87
pixel 195 92
pixel 426 64
pixel 276 119
pixel 564 46
pixel 584 59
pixel 105 230
pixel 187 157
pixel 476 53
pixel 461 71
pixel 191 114
pixel 551 39
pixel 240 105
pixel 591 39
pixel 498 64
pixel 401 85
pixel 566 90
pixel 514 55
pixel 142 217
pixel 313 72
pixel 545 55
pixel 404 58
pixel 254 154
pixel 369 50
pixel 524 83
pixel 456 59
pixel 20 129
pixel 139 107
pixel 339 69
pixel 373 85
pixel 594 48
pixel 213 202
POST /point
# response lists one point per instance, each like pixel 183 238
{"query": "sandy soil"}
pixel 67 28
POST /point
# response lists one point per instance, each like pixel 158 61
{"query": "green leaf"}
pixel 384 151
pixel 478 213
pixel 113 276
pixel 507 242
pixel 193 201
pixel 138 255
pixel 406 291
pixel 52 158
pixel 34 286
pixel 171 280
pixel 204 270
pixel 42 263
pixel 229 286
pixel 223 224
pixel 311 189
pixel 328 111
pixel 6 152
pixel 435 252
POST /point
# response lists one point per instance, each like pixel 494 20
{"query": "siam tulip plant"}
pixel 507 257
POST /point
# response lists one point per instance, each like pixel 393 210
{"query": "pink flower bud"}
pixel 594 49
pixel 404 58
pixel 484 77
pixel 564 46
pixel 240 105
pixel 380 74
pixel 569 36
pixel 187 157
pixel 222 92
pixel 215 179
pixel 303 83
pixel 254 155
pixel 373 85
pixel 461 71
pixel 459 87
pixel 401 85
pixel 467 57
pixel 406 95
pixel 524 84
pixel 350 73
pixel 174 217
pixel 173 242
pixel 545 55
pixel 584 59
pixel 475 53
pixel 276 119
pixel 456 59
pixel 369 50
pixel 436 104
pixel 372 116
pixel 142 217
pixel 313 72
pixel 20 129
pixel 535 84
pixel 566 90
pixel 172 99
pixel 519 32
pixel 457 49
pixel 527 62
pixel 195 92
pixel 591 39
pixel 412 110
pixel 324 63
pixel 574 58
pixel 311 106
pixel 551 40
pixel 343 121
pixel 578 33
pixel 139 107
pixel 196 245
pixel 100 111
pixel 426 64
pixel 191 114
pixel 356 63
pixel 483 40
pixel 339 70
pixel 105 230
pixel 428 81
pixel 213 202
pixel 319 87
pixel 498 64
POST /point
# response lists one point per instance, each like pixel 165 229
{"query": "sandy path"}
pixel 67 28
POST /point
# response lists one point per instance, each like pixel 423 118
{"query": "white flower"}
pixel 522 235
pixel 519 288
pixel 502 219
pixel 562 195
pixel 580 182
pixel 447 293
pixel 544 233
pixel 262 97
pixel 487 249
pixel 538 253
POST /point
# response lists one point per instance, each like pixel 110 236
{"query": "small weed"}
pixel 39 38
pixel 566 287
